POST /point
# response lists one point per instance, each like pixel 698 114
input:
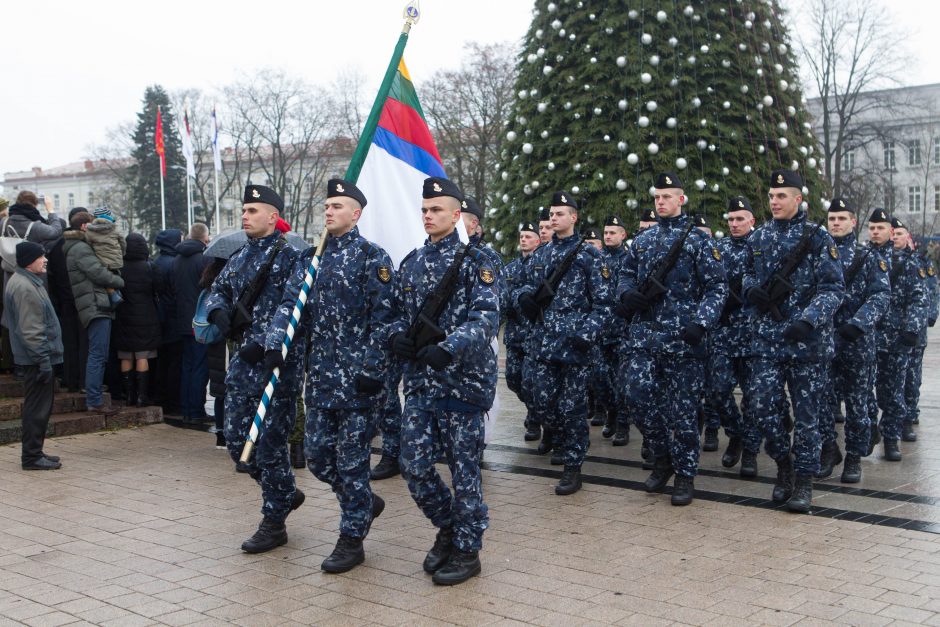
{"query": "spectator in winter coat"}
pixel 187 270
pixel 137 332
pixel 217 359
pixel 171 347
pixel 108 243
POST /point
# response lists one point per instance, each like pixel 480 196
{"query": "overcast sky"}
pixel 86 64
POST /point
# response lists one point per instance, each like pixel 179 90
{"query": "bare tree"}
pixel 114 155
pixel 467 110
pixel 350 105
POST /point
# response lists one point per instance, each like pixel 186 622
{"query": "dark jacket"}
pixel 45 232
pixel 89 279
pixel 218 365
pixel 137 327
pixel 35 335
pixel 187 269
pixel 167 241
pixel 57 273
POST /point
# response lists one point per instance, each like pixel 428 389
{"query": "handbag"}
pixel 204 331
pixel 9 238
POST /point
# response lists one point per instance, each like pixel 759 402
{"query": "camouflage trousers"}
pixel 850 377
pixel 665 390
pixel 559 401
pixel 806 382
pixel 723 373
pixel 528 385
pixel 514 358
pixel 912 383
pixel 270 462
pixel 610 392
pixel 389 422
pixel 889 388
pixel 459 436
pixel 337 449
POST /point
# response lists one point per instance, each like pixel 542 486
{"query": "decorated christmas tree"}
pixel 610 93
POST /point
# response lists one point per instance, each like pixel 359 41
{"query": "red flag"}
pixel 159 143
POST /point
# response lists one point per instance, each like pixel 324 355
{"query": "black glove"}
pixel 435 357
pixel 579 344
pixel 634 300
pixel 220 319
pixel 692 334
pixel 44 377
pixel 530 309
pixel 850 332
pixel 908 338
pixel 273 359
pixel 798 331
pixel 403 346
pixel 367 386
pixel 251 353
pixel 621 310
pixel 931 322
pixel 759 297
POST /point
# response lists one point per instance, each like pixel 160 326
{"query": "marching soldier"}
pixel 792 333
pixel 448 296
pixel 867 295
pixel 346 321
pixel 664 346
pixel 254 281
pixel 915 371
pixel 567 290
pixel 618 419
pixel 516 331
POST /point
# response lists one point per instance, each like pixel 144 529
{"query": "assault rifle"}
pixel 654 285
pixel 778 286
pixel 546 292
pixel 424 330
pixel 242 314
pixel 853 270
pixel 735 300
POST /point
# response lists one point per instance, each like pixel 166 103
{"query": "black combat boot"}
pixel 748 464
pixel 440 552
pixel 647 455
pixel 783 488
pixel 570 481
pixel 733 453
pixel 875 438
pixel 347 555
pixel 143 390
pixel 852 468
pixel 532 431
pixel 662 471
pixel 386 468
pixel 682 490
pixel 907 432
pixel 269 535
pixel 710 443
pixel 558 458
pixel 599 418
pixel 461 566
pixel 621 436
pixel 892 452
pixel 127 386
pixel 829 457
pixel 610 425
pixel 297 459
pixel 298 499
pixel 802 495
pixel 546 444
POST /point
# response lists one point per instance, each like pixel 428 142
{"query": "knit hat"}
pixel 105 213
pixel 28 252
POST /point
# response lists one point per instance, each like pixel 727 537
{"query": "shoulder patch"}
pixel 486 275
pixel 922 273
pixel 716 254
pixel 883 265
pixel 605 271
pixel 384 273
pixel 833 252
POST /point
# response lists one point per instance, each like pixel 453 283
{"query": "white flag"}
pixel 216 152
pixel 187 144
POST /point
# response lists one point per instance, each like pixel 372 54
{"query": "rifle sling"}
pixel 437 299
pixel 253 290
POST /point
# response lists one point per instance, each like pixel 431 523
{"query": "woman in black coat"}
pixel 217 356
pixel 137 333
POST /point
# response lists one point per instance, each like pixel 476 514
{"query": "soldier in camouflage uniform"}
pixel 617 423
pixel 867 294
pixel 517 328
pixel 791 348
pixel 346 320
pixel 599 400
pixel 915 370
pixel 448 385
pixel 729 349
pixel 531 343
pixel 389 424
pixel 565 329
pixel 665 376
pixel 898 333
pixel 251 367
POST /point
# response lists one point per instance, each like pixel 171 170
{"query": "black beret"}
pixel 342 187
pixel 879 215
pixel 699 220
pixel 28 252
pixel 564 199
pixel 260 193
pixel 470 206
pixel 545 215
pixel 739 203
pixel 648 215
pixel 895 224
pixel 529 226
pixel 667 180
pixel 841 204
pixel 614 221
pixel 786 178
pixel 435 186
pixel 590 233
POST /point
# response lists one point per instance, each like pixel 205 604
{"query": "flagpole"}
pixel 162 194
pixel 412 15
pixel 189 201
pixel 215 187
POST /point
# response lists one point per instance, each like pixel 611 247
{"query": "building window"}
pixel 55 201
pixel 71 200
pixel 913 152
pixel 91 200
pixel 889 198
pixel 913 198
pixel 936 150
pixel 936 197
pixel 848 160
pixel 889 155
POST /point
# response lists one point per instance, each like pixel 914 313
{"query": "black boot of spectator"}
pixel 127 386
pixel 143 390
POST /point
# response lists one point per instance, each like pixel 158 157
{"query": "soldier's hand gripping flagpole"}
pixel 411 15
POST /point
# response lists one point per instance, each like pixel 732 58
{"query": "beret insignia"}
pixel 740 204
pixel 339 188
pixel 883 265
pixel 437 188
pixel 563 199
pixel 384 274
pixel 255 193
pixel 842 204
pixel 780 178
pixel 833 252
pixel 487 276
pixel 668 180
pixel 616 222
pixel 463 204
pixel 716 254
